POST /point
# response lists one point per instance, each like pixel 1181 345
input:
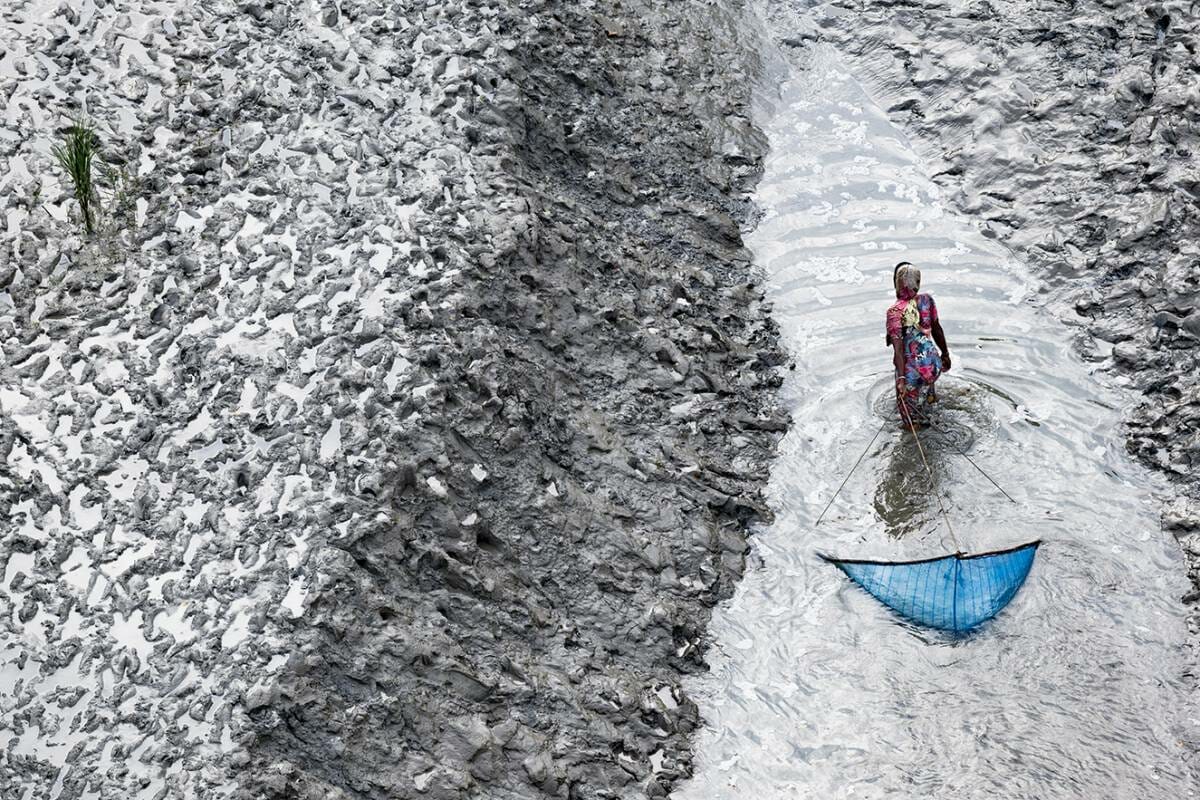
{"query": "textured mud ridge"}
pixel 1069 130
pixel 588 445
pixel 571 491
pixel 403 445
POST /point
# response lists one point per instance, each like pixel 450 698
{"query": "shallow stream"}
pixel 816 690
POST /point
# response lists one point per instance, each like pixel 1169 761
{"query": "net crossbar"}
pixel 951 593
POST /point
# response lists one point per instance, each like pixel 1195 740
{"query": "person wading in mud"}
pixel 912 331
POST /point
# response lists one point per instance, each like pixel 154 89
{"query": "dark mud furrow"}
pixel 574 489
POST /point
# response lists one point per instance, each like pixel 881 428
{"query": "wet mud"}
pixel 402 443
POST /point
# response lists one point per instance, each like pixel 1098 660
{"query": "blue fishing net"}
pixel 951 593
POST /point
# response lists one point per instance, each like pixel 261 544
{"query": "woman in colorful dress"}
pixel 912 331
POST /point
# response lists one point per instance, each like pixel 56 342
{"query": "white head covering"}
pixel 908 279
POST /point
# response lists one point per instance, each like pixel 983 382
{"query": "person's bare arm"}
pixel 939 338
pixel 898 358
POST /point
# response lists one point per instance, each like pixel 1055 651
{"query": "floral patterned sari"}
pixel 910 321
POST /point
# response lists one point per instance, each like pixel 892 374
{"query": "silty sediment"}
pixel 403 445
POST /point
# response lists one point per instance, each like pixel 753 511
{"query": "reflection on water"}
pixel 904 498
pixel 816 690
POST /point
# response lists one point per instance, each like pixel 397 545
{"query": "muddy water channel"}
pixel 818 691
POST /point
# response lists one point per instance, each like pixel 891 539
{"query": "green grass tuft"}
pixel 75 155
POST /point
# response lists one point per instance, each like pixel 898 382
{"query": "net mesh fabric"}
pixel 954 593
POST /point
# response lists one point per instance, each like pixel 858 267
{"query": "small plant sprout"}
pixel 123 190
pixel 75 156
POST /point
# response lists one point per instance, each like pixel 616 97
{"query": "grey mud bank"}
pixel 401 443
